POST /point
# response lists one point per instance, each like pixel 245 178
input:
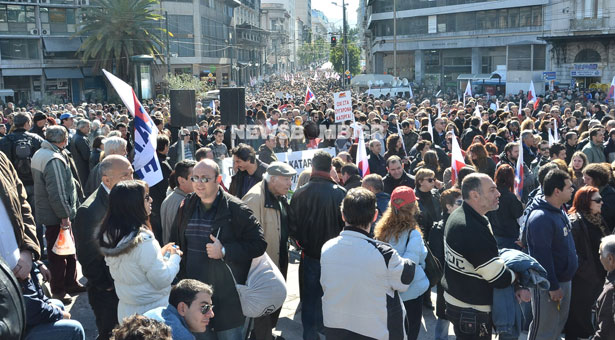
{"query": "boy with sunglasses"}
pixel 189 311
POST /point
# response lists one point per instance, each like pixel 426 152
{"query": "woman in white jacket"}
pixel 141 273
pixel 399 227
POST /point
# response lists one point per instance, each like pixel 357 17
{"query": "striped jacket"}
pixel 55 193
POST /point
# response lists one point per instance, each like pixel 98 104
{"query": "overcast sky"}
pixel 334 13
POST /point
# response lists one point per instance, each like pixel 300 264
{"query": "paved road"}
pixel 289 325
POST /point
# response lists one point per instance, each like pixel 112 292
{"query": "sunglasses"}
pixel 203 179
pixel 206 308
pixel 458 202
pixel 430 180
pixel 147 197
pixel 597 200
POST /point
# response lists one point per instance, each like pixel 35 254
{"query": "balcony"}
pixel 589 24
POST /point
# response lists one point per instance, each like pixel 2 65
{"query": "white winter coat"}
pixel 142 276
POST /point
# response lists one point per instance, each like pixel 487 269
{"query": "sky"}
pixel 334 13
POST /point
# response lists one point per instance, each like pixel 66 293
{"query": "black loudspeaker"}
pixel 233 105
pixel 183 104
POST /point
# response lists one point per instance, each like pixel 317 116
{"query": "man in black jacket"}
pixel 473 267
pixel 396 176
pixel 265 151
pixel 315 218
pixel 80 150
pixel 101 292
pixel 250 170
pixel 212 225
pixel 377 165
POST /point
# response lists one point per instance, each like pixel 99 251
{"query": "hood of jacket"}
pixel 541 203
pixel 128 243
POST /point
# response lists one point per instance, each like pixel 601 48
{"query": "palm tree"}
pixel 115 30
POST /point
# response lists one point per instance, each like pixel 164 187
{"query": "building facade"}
pixel 582 43
pixel 277 17
pixel 444 43
pixel 37 53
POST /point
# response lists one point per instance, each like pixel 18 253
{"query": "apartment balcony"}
pixel 589 24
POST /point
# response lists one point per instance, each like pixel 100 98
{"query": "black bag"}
pixel 433 268
pixel 21 158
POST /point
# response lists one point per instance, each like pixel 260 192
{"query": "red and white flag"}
pixel 519 171
pixel 531 94
pixel 457 161
pixel 362 160
pixel 309 95
pixel 146 164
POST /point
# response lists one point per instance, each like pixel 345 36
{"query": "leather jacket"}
pixel 12 307
pixel 315 215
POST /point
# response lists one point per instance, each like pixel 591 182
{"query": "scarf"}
pixel 595 220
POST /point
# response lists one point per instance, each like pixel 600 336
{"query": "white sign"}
pixel 299 160
pixel 343 106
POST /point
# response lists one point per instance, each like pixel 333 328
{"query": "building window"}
pixel 520 58
pixel 19 49
pixel 587 56
pixel 539 57
pixel 182 42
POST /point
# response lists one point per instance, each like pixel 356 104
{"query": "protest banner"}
pixel 299 160
pixel 343 106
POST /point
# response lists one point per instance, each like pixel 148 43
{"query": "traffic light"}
pixel 333 41
pixel 348 77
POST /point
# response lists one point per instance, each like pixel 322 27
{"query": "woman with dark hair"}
pixel 281 142
pixel 544 127
pixel 399 227
pixel 394 147
pixel 504 220
pixel 97 149
pixel 430 161
pixel 140 269
pixel 478 157
pixel 599 176
pixel 588 228
pixel 578 162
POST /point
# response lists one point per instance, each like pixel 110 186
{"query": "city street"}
pixel 289 324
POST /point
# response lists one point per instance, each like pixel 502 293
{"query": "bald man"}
pixel 101 293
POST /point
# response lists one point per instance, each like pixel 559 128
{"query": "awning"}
pixel 89 72
pixel 56 44
pixel 63 73
pixel 6 92
pixel 478 76
pixel 12 72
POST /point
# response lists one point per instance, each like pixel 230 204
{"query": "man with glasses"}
pixel 212 225
pixel 542 156
pixel 101 292
pixel 189 311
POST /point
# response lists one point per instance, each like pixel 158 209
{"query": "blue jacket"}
pixel 38 309
pixel 550 242
pixel 170 316
pixel 410 246
pixel 506 312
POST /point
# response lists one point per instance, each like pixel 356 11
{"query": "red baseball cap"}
pixel 406 194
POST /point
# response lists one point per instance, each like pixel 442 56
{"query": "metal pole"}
pixel 346 66
pixel 395 38
pixel 166 20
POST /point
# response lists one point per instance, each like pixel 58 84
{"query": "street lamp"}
pixel 345 37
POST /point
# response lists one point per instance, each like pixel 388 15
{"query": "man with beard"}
pixel 509 156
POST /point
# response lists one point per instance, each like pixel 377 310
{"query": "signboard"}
pixel 299 160
pixel 585 70
pixel 549 75
pixel 432 24
pixel 343 106
pixel 347 72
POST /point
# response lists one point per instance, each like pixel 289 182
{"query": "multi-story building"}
pixel 320 23
pixel 303 12
pixel 37 52
pixel 203 39
pixel 445 43
pixel 277 17
pixel 582 42
pixel 251 40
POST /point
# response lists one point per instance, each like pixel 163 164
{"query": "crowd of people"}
pixel 517 238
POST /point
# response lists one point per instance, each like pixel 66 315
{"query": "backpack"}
pixel 22 157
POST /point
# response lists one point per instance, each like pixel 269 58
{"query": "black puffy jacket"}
pixel 315 215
